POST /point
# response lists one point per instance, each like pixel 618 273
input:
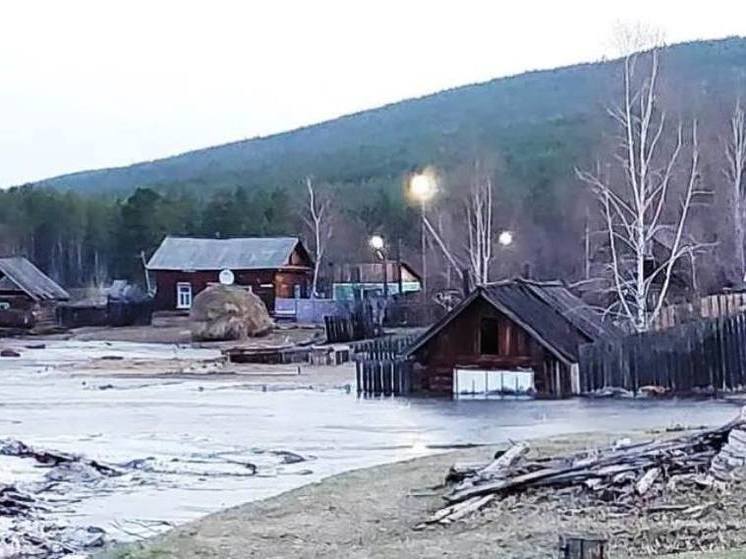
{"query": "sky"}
pixel 96 83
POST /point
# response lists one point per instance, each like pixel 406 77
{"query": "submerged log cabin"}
pixel 271 266
pixel 28 297
pixel 512 326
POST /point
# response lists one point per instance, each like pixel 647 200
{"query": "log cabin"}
pixel 271 266
pixel 517 326
pixel 28 297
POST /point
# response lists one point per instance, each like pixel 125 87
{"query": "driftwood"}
pixel 53 458
pixel 623 474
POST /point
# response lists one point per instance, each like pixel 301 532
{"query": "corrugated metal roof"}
pixel 247 253
pixel 548 311
pixel 30 279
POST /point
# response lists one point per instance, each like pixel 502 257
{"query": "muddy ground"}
pixel 113 359
pixel 173 328
pixel 372 513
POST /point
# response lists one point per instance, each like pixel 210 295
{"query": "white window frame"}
pixel 184 288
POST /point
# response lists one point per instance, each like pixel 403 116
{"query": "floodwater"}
pixel 192 440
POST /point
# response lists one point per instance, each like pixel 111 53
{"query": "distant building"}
pixel 271 266
pixel 28 296
pixel 366 279
pixel 514 327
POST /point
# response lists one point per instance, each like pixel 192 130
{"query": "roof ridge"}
pixel 181 237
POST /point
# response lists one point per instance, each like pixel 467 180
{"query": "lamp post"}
pixel 378 245
pixel 422 188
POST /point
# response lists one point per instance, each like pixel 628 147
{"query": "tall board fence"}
pixel 381 369
pixel 708 355
pixel 384 377
pixel 710 306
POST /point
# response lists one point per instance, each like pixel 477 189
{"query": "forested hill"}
pixel 541 123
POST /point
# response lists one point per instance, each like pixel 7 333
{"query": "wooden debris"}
pixel 730 463
pixel 505 460
pixel 624 476
pixel 647 481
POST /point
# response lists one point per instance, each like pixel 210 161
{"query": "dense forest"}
pixel 526 134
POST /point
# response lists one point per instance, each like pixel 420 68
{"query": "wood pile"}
pixel 730 463
pixel 625 475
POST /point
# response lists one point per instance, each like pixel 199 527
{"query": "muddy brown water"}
pixel 189 445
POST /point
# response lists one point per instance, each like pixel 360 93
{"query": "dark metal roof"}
pixel 182 253
pixel 584 317
pixel 19 272
pixel 556 318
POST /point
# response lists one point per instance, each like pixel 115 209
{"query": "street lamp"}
pixel 505 238
pixel 378 245
pixel 422 188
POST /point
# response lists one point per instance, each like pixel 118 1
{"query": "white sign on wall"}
pixel 226 277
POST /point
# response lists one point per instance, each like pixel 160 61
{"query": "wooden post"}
pixel 359 377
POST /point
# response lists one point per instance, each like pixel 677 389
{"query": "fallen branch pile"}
pixel 628 475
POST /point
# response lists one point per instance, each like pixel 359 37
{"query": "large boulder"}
pixel 228 312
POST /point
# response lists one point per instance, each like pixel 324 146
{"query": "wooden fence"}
pixel 704 356
pixel 711 306
pixel 384 377
pixel 390 347
pixel 381 369
pixel 340 329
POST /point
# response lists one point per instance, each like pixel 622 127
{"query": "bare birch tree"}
pixel 735 153
pixel 318 220
pixel 475 243
pixel 635 209
pixel 479 222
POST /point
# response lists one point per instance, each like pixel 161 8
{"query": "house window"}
pixel 4 306
pixel 183 295
pixel 488 337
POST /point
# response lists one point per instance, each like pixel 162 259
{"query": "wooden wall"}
pixel 18 300
pixel 267 284
pixel 459 345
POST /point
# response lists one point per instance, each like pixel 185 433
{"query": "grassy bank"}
pixel 370 513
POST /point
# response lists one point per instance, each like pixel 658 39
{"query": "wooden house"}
pixel 271 266
pixel 513 326
pixel 28 297
pixel 354 281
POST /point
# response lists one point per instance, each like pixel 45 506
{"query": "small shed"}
pixel 270 266
pixel 27 295
pixel 510 327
